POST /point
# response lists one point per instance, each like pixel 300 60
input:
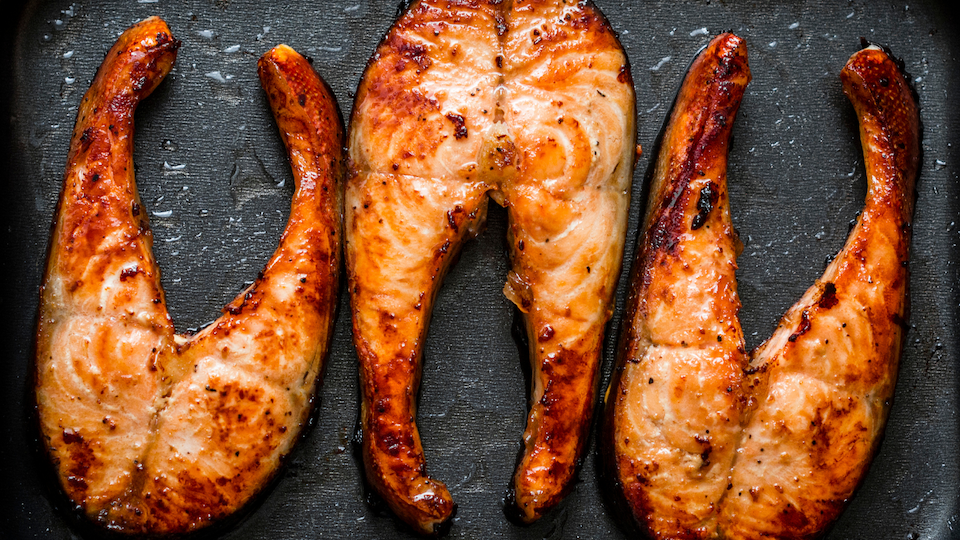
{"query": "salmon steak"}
pixel 150 432
pixel 531 103
pixel 702 440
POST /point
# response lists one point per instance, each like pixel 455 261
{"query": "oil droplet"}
pixel 215 75
pixel 660 64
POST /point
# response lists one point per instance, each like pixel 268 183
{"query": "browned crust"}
pixel 704 113
pixel 887 108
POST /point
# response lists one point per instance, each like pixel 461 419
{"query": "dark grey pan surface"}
pixel 213 173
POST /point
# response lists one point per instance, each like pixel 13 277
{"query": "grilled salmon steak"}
pixel 701 441
pixel 531 102
pixel 151 432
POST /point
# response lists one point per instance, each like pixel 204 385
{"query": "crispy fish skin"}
pixel 531 102
pixel 821 387
pixel 672 411
pixel 150 432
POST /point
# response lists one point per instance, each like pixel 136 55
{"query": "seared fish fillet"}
pixel 812 400
pixel 150 432
pixel 531 102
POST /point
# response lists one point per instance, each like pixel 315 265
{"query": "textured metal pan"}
pixel 212 171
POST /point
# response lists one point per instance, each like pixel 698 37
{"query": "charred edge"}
pixel 908 82
pixel 865 43
pixel 709 196
pixel 828 298
pixel 901 321
pixel 459 125
pixel 86 139
pixel 340 136
pixel 128 273
pixel 510 507
pixel 723 103
pixel 580 432
pixel 402 7
pixel 145 72
pixel 804 327
pixel 519 333
pixel 604 25
pixel 443 528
